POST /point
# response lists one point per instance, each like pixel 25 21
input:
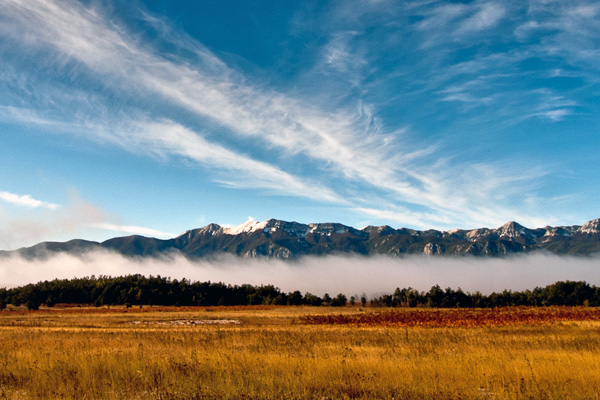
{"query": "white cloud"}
pixel 26 200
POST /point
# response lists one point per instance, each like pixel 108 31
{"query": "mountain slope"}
pixel 289 240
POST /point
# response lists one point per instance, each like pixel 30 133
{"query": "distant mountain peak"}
pixel 208 229
pixel 592 226
pixel 512 229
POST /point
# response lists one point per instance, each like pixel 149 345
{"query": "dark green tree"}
pixel 312 300
pixel 295 298
pixel 338 301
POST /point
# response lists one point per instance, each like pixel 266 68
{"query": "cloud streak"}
pixel 138 230
pixel 25 200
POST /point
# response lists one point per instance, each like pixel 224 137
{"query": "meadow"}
pixel 287 352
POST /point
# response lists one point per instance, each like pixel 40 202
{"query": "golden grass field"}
pixel 273 353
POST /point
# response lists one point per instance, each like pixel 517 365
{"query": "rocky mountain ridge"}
pixel 290 240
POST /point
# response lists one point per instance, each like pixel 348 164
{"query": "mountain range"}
pixel 290 240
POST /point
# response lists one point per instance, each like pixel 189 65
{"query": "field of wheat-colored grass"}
pixel 279 353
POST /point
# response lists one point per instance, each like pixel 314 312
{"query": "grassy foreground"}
pixel 269 353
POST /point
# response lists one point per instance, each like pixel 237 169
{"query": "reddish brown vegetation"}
pixel 506 316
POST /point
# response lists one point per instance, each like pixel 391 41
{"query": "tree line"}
pixel 156 290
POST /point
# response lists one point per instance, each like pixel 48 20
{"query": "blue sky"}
pixel 124 117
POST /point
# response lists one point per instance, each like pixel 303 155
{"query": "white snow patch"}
pixel 247 227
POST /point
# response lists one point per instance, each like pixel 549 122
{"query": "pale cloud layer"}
pixel 349 275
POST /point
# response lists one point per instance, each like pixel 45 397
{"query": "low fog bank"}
pixel 318 275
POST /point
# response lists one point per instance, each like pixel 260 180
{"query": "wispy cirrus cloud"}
pixel 164 138
pixel 344 143
pixel 569 30
pixel 448 22
pixel 346 140
pixel 340 57
pixel 509 36
pixel 551 106
pixel 168 137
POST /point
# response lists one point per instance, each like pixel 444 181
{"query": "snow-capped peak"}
pixel 247 227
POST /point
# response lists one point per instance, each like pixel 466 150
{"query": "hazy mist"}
pixel 318 275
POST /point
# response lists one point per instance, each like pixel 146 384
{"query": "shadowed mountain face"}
pixel 289 240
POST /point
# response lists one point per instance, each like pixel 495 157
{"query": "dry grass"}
pixel 272 355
